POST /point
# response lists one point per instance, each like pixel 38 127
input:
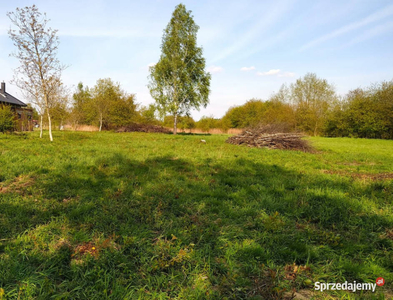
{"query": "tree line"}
pixel 311 105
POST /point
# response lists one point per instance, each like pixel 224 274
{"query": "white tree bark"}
pixel 175 125
pixel 100 122
pixel 41 127
pixel 50 126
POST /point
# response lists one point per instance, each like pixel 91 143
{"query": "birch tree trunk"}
pixel 175 124
pixel 100 122
pixel 41 127
pixel 50 126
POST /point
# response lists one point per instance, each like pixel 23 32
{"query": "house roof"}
pixel 7 98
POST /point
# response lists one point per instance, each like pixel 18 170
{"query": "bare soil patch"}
pixel 18 185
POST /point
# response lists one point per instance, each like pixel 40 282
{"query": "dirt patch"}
pixel 143 128
pixel 85 248
pixel 18 185
pixel 362 176
pixel 93 248
pixel 299 295
pixel 272 137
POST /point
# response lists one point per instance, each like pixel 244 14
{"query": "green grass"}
pixel 155 216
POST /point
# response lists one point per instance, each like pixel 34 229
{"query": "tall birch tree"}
pixel 178 82
pixel 39 73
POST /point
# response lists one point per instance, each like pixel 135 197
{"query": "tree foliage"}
pixel 104 92
pixel 178 82
pixel 312 106
pixel 81 112
pixel 59 106
pixel 256 111
pixel 364 113
pixel 303 106
pixel 206 123
pixel 105 105
pixel 312 98
pixel 147 115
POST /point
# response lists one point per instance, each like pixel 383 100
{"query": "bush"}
pixel 364 113
pixel 7 119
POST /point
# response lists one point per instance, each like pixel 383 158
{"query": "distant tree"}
pixel 187 122
pixel 365 113
pixel 234 117
pixel 7 119
pixel 82 107
pixel 283 95
pixel 104 93
pixel 122 109
pixel 147 114
pixel 178 82
pixel 382 96
pixel 108 104
pixel 277 112
pixel 312 98
pixel 224 124
pixel 336 123
pixel 249 114
pixel 39 73
pixel 207 123
pixel 60 105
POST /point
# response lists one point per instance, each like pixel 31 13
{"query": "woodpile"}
pixel 134 127
pixel 260 137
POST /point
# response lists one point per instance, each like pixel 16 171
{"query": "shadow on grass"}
pixel 234 219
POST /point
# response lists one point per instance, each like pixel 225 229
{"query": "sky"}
pixel 251 47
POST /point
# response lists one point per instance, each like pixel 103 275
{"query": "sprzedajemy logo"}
pixel 349 286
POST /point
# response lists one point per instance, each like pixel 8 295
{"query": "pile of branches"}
pixel 135 127
pixel 269 136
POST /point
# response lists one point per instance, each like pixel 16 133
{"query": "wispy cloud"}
pixel 215 69
pixel 273 15
pixel 276 72
pixel 372 33
pixel 246 69
pixel 377 16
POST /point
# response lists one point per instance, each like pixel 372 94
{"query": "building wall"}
pixel 24 119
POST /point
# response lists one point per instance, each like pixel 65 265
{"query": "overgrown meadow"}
pixel 156 216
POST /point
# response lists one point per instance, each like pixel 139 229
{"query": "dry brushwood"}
pixel 134 127
pixel 265 137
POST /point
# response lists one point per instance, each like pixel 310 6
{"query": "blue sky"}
pixel 251 47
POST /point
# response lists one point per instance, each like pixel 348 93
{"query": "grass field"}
pixel 155 216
